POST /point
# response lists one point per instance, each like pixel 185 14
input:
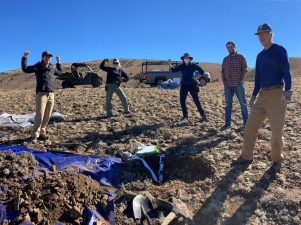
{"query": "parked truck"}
pixel 154 77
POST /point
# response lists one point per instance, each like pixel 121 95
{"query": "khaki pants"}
pixel 44 106
pixel 270 105
pixel 111 89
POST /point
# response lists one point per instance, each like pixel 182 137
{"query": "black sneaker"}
pixel 111 115
pixel 184 119
pixel 204 119
pixel 276 167
pixel 43 137
pixel 226 126
pixel 241 161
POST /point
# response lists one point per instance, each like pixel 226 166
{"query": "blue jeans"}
pixel 239 91
pixel 193 90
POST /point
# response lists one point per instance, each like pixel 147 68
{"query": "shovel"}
pixel 141 206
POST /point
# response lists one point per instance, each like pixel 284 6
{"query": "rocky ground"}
pixel 199 179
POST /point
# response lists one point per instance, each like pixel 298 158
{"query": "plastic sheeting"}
pixel 26 120
pixel 170 84
pixel 104 169
pixel 13 120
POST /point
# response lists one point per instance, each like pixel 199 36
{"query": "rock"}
pixel 6 171
pixel 53 168
pixel 182 207
pixel 183 195
pixel 26 219
pixel 38 215
pixel 75 213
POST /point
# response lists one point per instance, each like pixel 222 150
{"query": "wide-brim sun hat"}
pixel 187 55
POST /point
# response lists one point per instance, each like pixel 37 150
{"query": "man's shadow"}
pixel 205 215
pixel 243 213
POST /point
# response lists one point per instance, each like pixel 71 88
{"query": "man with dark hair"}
pixel 45 88
pixel 115 76
pixel 269 100
pixel 188 84
pixel 234 69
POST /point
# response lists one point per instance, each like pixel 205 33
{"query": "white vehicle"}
pixel 155 77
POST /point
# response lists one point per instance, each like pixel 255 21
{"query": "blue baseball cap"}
pixel 46 53
pixel 263 28
pixel 116 61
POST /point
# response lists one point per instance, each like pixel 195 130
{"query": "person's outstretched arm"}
pixel 24 66
pixel 174 69
pixel 103 67
pixel 58 70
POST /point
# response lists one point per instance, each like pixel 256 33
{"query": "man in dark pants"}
pixel 45 88
pixel 189 84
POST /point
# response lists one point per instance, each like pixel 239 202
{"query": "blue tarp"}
pixel 104 169
pixel 2 213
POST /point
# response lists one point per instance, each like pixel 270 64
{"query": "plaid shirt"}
pixel 234 70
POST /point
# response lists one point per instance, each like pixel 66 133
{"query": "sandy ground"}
pixel 199 179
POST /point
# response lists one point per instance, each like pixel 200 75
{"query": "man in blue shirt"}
pixel 188 84
pixel 269 100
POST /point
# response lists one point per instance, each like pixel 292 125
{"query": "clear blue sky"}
pixel 142 29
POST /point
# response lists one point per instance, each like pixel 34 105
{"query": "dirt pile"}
pixel 15 170
pixel 60 198
pixel 42 198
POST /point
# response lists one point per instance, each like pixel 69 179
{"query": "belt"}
pixel 272 87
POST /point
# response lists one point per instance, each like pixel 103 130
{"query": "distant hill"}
pixel 16 79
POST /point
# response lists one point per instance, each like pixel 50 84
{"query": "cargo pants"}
pixel 44 107
pixel 111 89
pixel 269 104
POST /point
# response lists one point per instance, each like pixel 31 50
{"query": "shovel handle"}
pixel 170 217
